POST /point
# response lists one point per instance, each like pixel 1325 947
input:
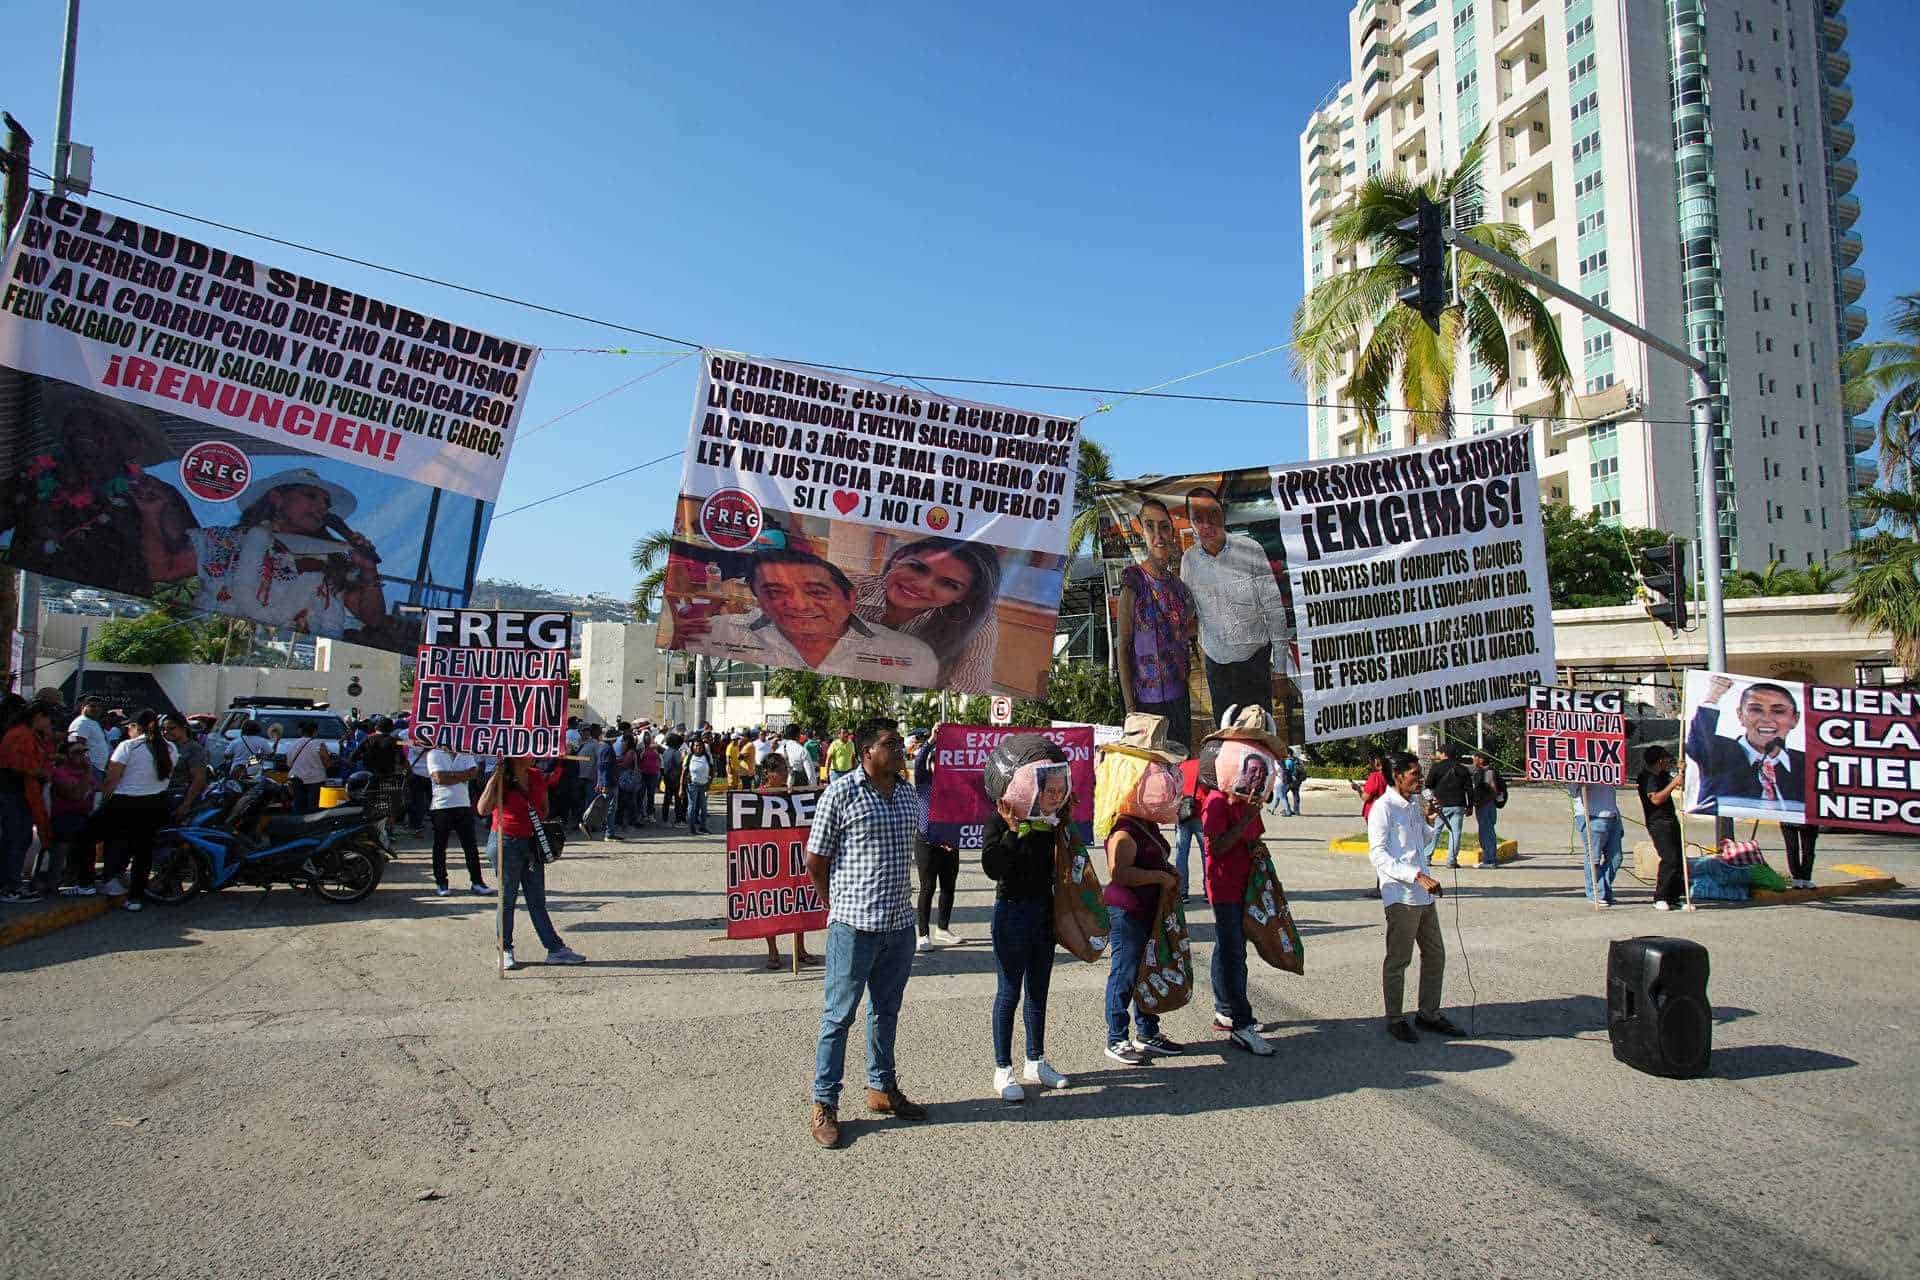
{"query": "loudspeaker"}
pixel 1657 1012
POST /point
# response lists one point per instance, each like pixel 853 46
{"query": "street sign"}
pixel 1002 711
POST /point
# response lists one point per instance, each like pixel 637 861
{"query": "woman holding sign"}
pixel 516 797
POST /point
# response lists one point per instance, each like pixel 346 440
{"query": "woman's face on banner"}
pixel 922 581
pixel 1157 527
pixel 1053 792
pixel 300 508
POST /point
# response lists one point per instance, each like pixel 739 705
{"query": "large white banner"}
pixel 1419 582
pixel 158 320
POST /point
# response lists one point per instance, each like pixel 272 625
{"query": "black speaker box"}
pixel 1657 1012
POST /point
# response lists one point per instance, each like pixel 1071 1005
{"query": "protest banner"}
pixel 958 807
pixel 1576 735
pixel 215 433
pixel 768 890
pixel 492 682
pixel 1387 589
pixel 859 529
pixel 1811 754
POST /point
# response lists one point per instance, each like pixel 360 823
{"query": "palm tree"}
pixel 1096 468
pixel 650 562
pixel 1892 369
pixel 1358 310
pixel 1885 591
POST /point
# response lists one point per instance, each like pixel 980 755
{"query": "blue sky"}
pixel 1098 196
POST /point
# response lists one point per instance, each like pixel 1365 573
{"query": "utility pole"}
pixel 1700 405
pixel 27 622
pixel 13 384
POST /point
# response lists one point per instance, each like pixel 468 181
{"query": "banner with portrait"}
pixel 859 529
pixel 213 433
pixel 1818 755
pixel 957 806
pixel 1381 590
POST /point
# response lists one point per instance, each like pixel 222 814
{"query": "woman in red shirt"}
pixel 516 796
pixel 1372 789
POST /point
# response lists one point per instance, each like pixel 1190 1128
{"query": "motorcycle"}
pixel 241 833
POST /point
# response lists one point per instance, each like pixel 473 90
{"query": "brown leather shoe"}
pixel 826 1125
pixel 892 1102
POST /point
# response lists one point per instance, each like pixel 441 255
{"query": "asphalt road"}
pixel 280 1087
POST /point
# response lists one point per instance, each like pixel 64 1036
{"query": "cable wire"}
pixel 627 471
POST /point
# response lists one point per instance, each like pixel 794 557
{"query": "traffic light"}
pixel 1665 574
pixel 1426 261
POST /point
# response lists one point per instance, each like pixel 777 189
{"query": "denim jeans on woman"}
pixel 1023 953
pixel 1602 861
pixel 1229 969
pixel 521 867
pixel 1125 945
pixel 861 961
pixel 1190 833
pixel 697 808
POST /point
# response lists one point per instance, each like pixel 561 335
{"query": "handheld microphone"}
pixel 341 527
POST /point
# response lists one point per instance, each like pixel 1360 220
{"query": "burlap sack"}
pixel 1267 919
pixel 1165 980
pixel 1080 922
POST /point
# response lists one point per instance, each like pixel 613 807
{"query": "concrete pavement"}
pixel 283 1087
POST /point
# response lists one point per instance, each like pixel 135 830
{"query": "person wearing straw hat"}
pixel 288 561
pixel 1141 796
pixel 1240 763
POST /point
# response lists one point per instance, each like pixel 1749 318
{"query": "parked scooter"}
pixel 241 833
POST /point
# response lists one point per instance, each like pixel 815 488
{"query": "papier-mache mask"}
pixel 1245 770
pixel 1038 791
pixel 1156 796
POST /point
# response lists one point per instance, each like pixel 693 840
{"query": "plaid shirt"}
pixel 868 838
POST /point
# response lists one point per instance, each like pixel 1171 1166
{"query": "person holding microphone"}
pixel 1400 830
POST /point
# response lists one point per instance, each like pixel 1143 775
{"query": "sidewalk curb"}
pixel 41 923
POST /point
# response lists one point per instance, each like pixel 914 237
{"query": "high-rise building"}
pixel 1683 162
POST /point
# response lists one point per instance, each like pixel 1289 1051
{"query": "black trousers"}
pixel 1799 849
pixel 936 862
pixel 1240 684
pixel 1671 887
pixel 454 822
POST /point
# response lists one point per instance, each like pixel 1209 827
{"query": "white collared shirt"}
pixel 865 650
pixel 1397 835
pixel 1238 601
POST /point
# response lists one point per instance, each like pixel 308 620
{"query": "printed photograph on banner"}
pixel 856 529
pixel 1863 759
pixel 1419 582
pixel 213 433
pixel 1199 599
pixel 1746 747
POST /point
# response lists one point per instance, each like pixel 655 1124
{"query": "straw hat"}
pixel 1251 723
pixel 1145 736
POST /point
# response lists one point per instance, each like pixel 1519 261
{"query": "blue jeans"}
pixel 520 867
pixel 1023 952
pixel 1488 818
pixel 1453 820
pixel 648 781
pixel 861 961
pixel 1126 943
pixel 1189 833
pixel 1602 839
pixel 613 808
pixel 697 808
pixel 1229 969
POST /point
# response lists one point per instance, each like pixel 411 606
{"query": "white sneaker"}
pixel 1006 1086
pixel 442 891
pixel 1662 905
pixel 924 945
pixel 1250 1040
pixel 131 904
pixel 114 889
pixel 1040 1072
pixel 507 962
pixel 947 937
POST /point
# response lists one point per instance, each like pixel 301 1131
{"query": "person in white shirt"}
pixel 1400 829
pixel 452 814
pixel 1244 636
pixel 254 749
pixel 308 763
pixel 87 727
pixel 762 748
pixel 1596 816
pixel 134 807
pixel 800 770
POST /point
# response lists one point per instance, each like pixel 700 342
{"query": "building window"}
pixel 1582 67
pixel 1580 29
pixel 1593 221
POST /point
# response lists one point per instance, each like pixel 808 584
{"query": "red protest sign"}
pixel 492 682
pixel 768 890
pixel 1576 735
pixel 957 809
pixel 1863 759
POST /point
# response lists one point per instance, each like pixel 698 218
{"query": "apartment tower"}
pixel 1683 162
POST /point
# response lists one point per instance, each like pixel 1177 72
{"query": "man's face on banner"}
pixel 1156 526
pixel 803 600
pixel 1766 714
pixel 1209 522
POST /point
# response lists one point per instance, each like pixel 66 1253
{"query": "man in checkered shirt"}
pixel 860 857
